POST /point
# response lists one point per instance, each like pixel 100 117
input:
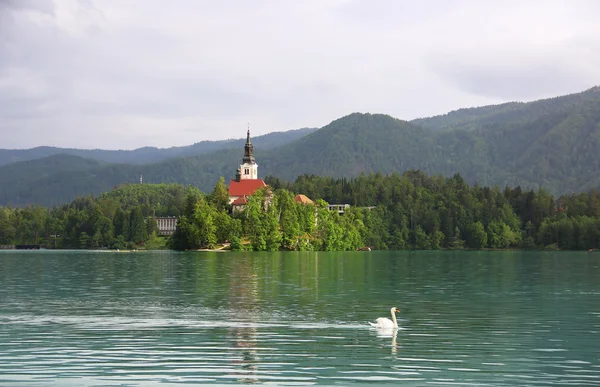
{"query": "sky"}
pixel 123 74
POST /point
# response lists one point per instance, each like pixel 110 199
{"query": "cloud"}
pixel 124 74
pixel 516 51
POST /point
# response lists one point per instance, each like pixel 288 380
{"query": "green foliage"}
pixel 287 212
pixel 236 243
pixel 475 235
pixel 203 220
pixel 118 219
pixel 219 197
pixel 137 226
pixel 155 242
pixel 409 211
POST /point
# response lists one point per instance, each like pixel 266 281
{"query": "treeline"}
pixel 409 211
pixel 118 219
pixel 416 211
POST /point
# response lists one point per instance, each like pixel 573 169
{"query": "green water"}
pixel 165 318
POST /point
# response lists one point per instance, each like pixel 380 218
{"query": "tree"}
pixel 204 216
pixel 476 237
pixel 137 226
pixel 456 242
pixel 219 197
pixel 7 230
pixel 422 241
pixel 287 212
pixel 223 225
pixel 85 241
pixel 253 221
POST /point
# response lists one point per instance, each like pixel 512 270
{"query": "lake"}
pixel 73 318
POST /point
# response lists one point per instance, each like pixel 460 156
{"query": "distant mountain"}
pixel 54 179
pixel 550 143
pixel 147 155
pixel 351 145
pixel 511 112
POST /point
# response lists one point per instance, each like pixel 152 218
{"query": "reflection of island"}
pixel 243 299
pixel 389 333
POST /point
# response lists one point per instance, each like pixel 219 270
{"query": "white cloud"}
pixel 129 73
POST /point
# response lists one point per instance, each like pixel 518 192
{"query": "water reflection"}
pixel 245 358
pixel 243 299
pixel 138 320
pixel 389 333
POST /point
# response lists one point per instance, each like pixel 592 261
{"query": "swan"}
pixel 386 323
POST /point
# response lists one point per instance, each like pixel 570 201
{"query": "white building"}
pixel 166 225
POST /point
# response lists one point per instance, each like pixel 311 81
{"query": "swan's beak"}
pixel 397 310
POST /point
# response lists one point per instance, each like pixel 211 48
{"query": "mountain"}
pixel 54 179
pixel 351 145
pixel 511 112
pixel 549 143
pixel 147 155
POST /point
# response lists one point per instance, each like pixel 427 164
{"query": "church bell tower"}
pixel 249 169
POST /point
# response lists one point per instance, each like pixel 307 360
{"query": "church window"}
pixel 246 171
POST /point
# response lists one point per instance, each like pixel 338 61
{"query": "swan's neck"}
pixel 394 318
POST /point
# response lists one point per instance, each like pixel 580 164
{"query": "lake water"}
pixel 72 318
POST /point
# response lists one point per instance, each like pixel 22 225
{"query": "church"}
pixel 246 180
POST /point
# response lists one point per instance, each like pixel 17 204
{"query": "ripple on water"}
pixel 126 321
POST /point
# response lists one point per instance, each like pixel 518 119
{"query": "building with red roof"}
pixel 246 180
pixel 243 188
pixel 300 198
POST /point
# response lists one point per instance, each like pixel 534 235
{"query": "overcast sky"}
pixel 122 74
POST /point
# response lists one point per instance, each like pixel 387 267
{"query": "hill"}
pixel 511 112
pixel 549 143
pixel 351 145
pixel 56 179
pixel 147 155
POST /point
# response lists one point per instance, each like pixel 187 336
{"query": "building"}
pixel 340 208
pixel 246 180
pixel 166 225
pixel 303 199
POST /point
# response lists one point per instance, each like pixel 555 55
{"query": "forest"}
pixel 387 212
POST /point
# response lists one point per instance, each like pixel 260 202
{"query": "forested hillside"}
pixel 117 219
pixel 511 112
pixel 551 144
pixel 147 155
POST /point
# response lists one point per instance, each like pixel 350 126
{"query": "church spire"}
pixel 249 169
pixel 248 151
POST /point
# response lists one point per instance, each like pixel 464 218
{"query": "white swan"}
pixel 386 323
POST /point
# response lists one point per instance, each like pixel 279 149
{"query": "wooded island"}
pixel 396 212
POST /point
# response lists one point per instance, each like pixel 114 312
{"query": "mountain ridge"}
pixel 147 154
pixel 553 145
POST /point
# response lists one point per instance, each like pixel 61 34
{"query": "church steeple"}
pixel 249 169
pixel 248 149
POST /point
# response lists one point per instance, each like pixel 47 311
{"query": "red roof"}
pixel 303 199
pixel 241 201
pixel 245 187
